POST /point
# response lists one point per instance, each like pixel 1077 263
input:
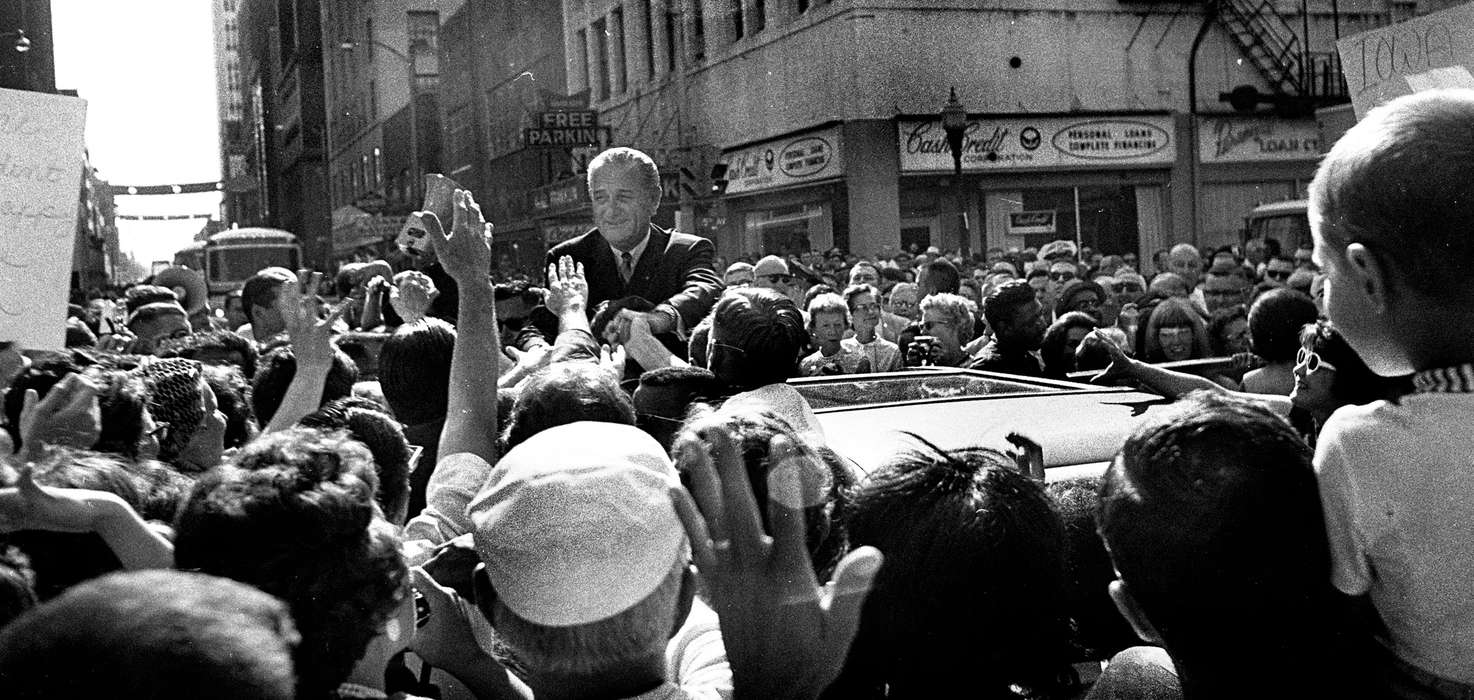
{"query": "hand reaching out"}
pixel 30 506
pixel 464 252
pixel 1120 363
pixel 613 361
pixel 785 636
pixel 568 289
pixel 311 337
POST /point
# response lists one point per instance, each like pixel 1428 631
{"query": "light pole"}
pixel 954 122
pixel 414 122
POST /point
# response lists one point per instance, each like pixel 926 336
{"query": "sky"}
pixel 147 71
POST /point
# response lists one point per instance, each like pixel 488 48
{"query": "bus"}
pixel 228 258
pixel 1286 222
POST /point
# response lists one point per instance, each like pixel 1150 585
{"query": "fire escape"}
pixel 1298 78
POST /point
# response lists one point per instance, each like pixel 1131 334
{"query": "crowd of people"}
pixel 603 485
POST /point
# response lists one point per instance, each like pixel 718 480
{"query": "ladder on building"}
pixel 1268 42
pixel 1278 52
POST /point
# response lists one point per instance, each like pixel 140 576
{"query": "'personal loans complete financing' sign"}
pixel 1012 143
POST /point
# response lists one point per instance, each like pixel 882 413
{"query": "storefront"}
pixel 1248 161
pixel 1100 180
pixel 785 195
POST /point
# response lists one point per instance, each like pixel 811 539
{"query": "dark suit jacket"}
pixel 675 269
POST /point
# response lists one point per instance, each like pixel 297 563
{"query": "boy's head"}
pixel 414 370
pixel 828 319
pixel 973 582
pixel 1212 519
pixel 154 634
pixel 1392 214
pixel 294 516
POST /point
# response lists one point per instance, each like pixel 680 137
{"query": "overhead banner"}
pixel 1425 53
pixel 1022 143
pixel 1257 140
pixel 41 142
pixel 783 162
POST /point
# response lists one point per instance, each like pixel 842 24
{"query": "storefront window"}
pixel 788 230
pixel 1105 217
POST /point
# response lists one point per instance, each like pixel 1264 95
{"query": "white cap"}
pixel 771 265
pixel 576 525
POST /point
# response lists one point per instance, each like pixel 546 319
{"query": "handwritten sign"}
pixel 40 181
pixel 1257 140
pixel 1432 51
pixel 1026 143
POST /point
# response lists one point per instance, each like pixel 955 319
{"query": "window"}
pixel 459 125
pixel 734 7
pixel 601 58
pixel 378 169
pixel 803 5
pixel 698 33
pixel 672 40
pixel 373 100
pixel 651 28
pixel 620 78
pixel 583 57
pixel 424 42
pixel 286 19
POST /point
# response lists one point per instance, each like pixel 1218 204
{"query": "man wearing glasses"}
pixel 1278 271
pixel 772 273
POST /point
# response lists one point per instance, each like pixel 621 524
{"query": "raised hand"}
pixel 464 252
pixel 311 337
pixel 411 297
pixel 568 289
pixel 786 637
pixel 68 416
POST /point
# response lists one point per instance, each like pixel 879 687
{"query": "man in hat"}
pixel 772 273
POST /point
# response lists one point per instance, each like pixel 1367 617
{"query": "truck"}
pixel 1286 222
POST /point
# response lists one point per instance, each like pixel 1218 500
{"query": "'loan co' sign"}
pixel 1011 143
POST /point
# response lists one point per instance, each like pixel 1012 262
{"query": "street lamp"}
pixel 414 122
pixel 954 122
pixel 22 43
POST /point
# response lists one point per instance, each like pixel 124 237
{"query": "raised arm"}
pixel 312 346
pixel 465 252
pixel 785 636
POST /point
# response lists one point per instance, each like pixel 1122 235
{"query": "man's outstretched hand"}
pixel 464 252
pixel 786 637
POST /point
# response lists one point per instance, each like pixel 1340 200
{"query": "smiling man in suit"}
pixel 626 255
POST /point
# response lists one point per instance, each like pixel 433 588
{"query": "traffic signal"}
pixel 718 179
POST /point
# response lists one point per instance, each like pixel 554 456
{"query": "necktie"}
pixel 627 268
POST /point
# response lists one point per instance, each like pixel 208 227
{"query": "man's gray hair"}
pixel 649 171
pixel 601 647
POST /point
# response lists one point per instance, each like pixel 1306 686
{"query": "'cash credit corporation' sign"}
pixel 782 162
pixel 1023 143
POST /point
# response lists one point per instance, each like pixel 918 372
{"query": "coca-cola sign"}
pixel 1013 143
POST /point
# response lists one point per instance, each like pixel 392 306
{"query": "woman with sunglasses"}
pixel 1328 375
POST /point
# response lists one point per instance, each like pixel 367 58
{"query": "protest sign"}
pixel 1424 53
pixel 40 181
